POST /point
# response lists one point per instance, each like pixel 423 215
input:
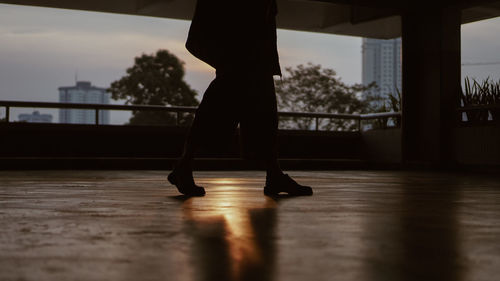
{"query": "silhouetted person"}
pixel 238 39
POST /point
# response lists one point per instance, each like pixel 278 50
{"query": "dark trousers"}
pixel 232 99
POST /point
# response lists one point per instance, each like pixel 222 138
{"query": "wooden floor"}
pixel 359 225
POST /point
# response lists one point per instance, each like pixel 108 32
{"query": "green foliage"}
pixel 393 105
pixel 395 101
pixel 156 79
pixel 477 93
pixel 311 88
pixel 384 103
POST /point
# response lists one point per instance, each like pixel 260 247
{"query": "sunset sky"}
pixel 42 49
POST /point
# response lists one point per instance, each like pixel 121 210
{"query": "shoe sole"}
pixel 274 193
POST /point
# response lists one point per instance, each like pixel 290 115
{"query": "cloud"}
pixel 30 31
pixel 41 44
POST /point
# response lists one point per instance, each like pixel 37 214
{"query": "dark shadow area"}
pixel 420 239
pixel 429 232
pixel 232 243
pixel 180 198
pixel 282 196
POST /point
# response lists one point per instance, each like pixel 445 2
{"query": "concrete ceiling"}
pixel 375 18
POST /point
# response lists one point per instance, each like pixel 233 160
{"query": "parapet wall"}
pixel 478 145
pixel 26 140
pixel 473 145
pixel 383 145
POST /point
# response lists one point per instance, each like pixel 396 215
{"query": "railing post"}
pixel 178 118
pixel 359 123
pixel 97 116
pixel 7 114
pixel 317 124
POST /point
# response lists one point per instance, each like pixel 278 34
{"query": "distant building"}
pixel 35 117
pixel 382 65
pixel 83 92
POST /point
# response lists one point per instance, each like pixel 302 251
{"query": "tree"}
pixel 311 88
pixel 156 79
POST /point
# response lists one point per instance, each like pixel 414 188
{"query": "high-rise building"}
pixel 382 65
pixel 83 92
pixel 35 117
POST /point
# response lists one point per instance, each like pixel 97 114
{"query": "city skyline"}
pixel 44 48
pixel 35 117
pixel 382 65
pixel 83 92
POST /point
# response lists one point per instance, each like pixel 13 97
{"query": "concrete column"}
pixel 431 85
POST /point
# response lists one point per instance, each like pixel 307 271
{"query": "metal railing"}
pixel 178 110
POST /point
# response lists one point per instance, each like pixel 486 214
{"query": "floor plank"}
pixel 358 225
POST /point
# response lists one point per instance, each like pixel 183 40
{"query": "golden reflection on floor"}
pixel 228 201
pixel 358 226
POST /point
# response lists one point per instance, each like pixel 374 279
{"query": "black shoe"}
pixel 285 183
pixel 185 183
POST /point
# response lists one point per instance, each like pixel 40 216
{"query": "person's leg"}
pixel 215 119
pixel 199 126
pixel 214 122
pixel 259 121
pixel 259 129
